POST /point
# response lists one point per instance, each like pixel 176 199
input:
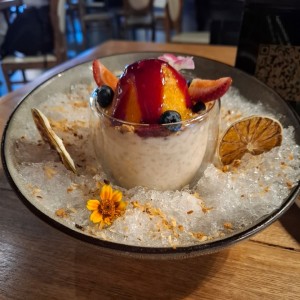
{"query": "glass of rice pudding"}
pixel 150 128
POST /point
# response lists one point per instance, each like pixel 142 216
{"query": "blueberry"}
pixel 188 82
pixel 104 95
pixel 198 106
pixel 171 116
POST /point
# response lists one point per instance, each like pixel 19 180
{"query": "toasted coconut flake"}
pixel 228 225
pixel 62 213
pixel 49 172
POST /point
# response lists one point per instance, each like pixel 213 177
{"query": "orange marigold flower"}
pixel 108 208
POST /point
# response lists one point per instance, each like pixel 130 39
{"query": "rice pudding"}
pixel 151 132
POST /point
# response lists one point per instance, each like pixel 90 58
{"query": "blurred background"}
pixel 65 28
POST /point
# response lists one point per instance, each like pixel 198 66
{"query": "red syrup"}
pixel 144 81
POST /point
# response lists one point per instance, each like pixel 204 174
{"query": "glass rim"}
pixel 198 117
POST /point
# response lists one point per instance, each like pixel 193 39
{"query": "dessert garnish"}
pixel 198 107
pixel 152 91
pixel 208 90
pixel 103 76
pixel 110 206
pixel 49 136
pixel 169 117
pixel 178 62
pixel 104 95
pixel 255 135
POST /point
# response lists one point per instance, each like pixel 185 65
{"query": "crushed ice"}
pixel 220 204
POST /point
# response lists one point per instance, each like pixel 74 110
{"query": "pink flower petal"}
pixel 178 62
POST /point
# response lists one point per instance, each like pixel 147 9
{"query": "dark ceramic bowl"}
pixel 248 86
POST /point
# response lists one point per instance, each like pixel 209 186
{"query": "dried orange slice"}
pixel 255 135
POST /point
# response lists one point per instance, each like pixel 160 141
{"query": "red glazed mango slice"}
pixel 208 90
pixel 147 89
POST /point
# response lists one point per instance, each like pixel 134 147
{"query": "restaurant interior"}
pixel 69 229
pixel 87 23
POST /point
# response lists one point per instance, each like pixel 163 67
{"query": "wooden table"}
pixel 40 262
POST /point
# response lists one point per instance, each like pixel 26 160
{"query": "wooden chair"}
pixel 72 13
pixel 138 15
pixel 174 12
pixel 94 13
pixel 160 15
pixel 10 63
